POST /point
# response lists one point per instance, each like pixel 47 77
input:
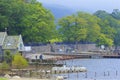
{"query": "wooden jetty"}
pixel 83 55
pixel 71 55
pixel 47 64
pixel 111 56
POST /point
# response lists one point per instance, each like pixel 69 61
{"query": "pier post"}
pixel 104 74
pixel 30 72
pixel 116 73
pixel 55 71
pixel 68 75
pixel 77 75
pixel 95 74
pixel 86 75
pixel 108 73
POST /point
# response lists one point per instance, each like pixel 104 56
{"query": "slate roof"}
pixel 11 42
pixel 2 37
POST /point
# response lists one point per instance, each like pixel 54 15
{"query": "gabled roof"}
pixel 2 37
pixel 11 42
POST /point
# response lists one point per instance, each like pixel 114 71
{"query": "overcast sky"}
pixel 85 5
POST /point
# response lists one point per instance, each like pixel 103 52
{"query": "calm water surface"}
pixel 98 69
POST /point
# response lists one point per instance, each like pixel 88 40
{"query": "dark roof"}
pixel 11 42
pixel 2 37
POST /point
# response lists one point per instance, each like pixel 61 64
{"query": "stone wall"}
pixel 64 48
pixel 42 48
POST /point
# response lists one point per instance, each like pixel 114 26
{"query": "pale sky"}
pixel 86 5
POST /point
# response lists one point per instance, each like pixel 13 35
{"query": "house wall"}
pixel 1 53
pixel 13 51
pixel 1 50
pixel 21 46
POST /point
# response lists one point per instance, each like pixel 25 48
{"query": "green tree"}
pixel 39 23
pixel 27 17
pixel 93 29
pixel 80 27
pixel 19 61
pixel 109 25
pixel 4 66
pixel 8 57
pixel 72 28
pixel 103 40
pixel 86 27
pixel 116 14
pixel 117 38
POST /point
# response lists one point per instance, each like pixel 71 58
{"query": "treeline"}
pixel 37 24
pixel 102 28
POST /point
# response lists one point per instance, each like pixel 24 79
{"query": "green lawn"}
pixel 3 79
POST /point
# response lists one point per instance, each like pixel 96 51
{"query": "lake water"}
pixel 97 69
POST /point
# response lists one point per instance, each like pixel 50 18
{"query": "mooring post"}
pixel 95 74
pixel 108 73
pixel 104 73
pixel 86 75
pixel 77 75
pixel 116 73
pixel 68 75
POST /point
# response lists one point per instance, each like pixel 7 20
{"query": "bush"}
pixel 3 79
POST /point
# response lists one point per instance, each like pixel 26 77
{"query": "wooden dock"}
pixel 70 56
pixel 84 55
pixel 111 56
pixel 47 64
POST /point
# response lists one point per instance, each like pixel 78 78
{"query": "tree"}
pixel 80 27
pixel 117 39
pixel 4 65
pixel 27 17
pixel 19 61
pixel 72 28
pixel 39 23
pixel 116 14
pixel 103 40
pixel 8 57
pixel 85 27
pixel 109 25
pixel 93 29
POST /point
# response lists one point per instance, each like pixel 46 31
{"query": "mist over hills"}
pixel 62 8
pixel 58 10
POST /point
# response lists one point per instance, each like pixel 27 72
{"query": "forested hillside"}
pixel 27 17
pixel 37 24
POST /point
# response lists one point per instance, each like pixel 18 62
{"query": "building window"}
pixel 20 46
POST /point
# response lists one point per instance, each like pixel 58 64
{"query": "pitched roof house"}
pixel 12 43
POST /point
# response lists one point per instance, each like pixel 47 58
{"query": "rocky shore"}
pixel 26 79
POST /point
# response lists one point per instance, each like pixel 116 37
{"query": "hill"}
pixel 58 10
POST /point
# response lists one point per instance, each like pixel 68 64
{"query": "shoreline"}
pixel 26 79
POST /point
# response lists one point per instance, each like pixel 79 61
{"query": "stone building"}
pixel 14 43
